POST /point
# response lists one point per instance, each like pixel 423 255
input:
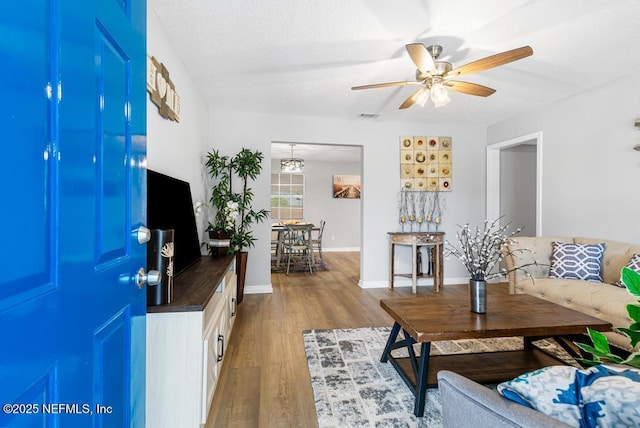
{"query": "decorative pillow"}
pixel 541 389
pixel 576 261
pixel 602 395
pixel 634 264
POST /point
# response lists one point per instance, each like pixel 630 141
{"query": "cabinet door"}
pixel 215 342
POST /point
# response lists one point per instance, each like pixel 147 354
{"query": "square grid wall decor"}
pixel 425 163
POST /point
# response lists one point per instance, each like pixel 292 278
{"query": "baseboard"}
pixel 258 289
pixel 341 250
pixel 400 282
pixel 373 284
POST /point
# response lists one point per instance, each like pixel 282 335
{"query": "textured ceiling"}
pixel 303 56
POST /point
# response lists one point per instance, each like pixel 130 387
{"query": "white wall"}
pixel 590 173
pixel 380 179
pixel 176 148
pixel 343 216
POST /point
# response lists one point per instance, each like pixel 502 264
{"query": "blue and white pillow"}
pixel 576 261
pixel 633 264
pixel 602 395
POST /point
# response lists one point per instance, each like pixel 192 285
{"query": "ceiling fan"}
pixel 434 77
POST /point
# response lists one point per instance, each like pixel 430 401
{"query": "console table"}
pixel 416 240
pixel 186 342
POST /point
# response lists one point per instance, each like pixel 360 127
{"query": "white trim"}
pixel 373 284
pixel 493 175
pixel 341 250
pixel 406 282
pixel 258 289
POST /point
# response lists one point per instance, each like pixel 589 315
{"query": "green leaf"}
pixel 633 360
pixel 587 348
pixel 587 362
pixel 634 312
pixel 633 335
pixel 631 279
pixel 600 341
pixel 635 326
pixel 597 354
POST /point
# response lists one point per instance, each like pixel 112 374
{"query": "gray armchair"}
pixel 466 403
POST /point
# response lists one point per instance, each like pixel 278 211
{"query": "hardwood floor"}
pixel 265 381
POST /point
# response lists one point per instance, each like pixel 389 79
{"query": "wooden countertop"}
pixel 194 287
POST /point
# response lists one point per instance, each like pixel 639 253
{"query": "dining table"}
pixel 280 228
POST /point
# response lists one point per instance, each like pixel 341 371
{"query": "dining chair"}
pixel 316 242
pixel 297 241
pixel 275 242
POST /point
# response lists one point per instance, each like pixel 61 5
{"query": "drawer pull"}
pixel 234 306
pixel 220 347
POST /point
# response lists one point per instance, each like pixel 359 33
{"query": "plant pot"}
pixel 219 242
pixel 478 296
pixel 241 272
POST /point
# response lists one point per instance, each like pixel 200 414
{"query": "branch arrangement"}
pixel 481 250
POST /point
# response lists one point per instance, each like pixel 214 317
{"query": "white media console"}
pixel 186 340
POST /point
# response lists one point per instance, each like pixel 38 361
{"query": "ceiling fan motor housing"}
pixel 441 67
pixel 434 51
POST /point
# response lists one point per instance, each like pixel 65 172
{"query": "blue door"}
pixel 72 195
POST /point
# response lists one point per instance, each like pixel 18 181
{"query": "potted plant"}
pixel 234 211
pixel 223 201
pixel 481 250
pixel 601 352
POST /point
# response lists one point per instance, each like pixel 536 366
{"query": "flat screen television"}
pixel 169 206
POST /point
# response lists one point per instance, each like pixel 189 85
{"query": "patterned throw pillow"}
pixel 602 395
pixel 576 261
pixel 634 264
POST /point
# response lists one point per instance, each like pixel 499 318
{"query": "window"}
pixel 287 196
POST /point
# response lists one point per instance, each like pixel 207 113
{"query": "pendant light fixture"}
pixel 292 164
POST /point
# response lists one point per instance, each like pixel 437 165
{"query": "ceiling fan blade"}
pixel 469 88
pixel 421 57
pixel 412 98
pixel 384 85
pixel 492 61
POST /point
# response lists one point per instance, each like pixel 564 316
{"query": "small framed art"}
pixel 346 186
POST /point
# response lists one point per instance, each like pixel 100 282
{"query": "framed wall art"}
pixel 426 163
pixel 346 186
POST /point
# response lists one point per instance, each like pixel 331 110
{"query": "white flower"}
pixel 480 250
pixel 230 215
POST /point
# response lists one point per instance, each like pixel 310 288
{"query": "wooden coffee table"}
pixel 447 317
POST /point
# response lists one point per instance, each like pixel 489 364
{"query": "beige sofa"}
pixel 601 300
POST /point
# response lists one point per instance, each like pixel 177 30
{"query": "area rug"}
pixel 352 388
pixel 298 266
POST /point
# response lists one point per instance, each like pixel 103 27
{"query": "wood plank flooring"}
pixel 265 381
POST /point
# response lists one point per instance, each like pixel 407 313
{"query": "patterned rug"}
pixel 352 388
pixel 298 266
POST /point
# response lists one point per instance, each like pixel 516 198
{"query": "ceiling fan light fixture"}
pixel 291 164
pixel 422 97
pixel 439 95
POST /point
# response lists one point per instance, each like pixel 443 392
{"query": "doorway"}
pixel 322 162
pixel 514 182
